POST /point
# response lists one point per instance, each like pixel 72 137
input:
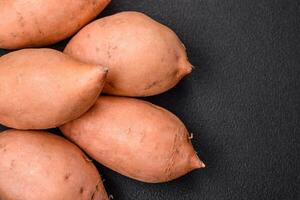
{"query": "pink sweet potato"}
pixel 145 57
pixel 135 138
pixel 43 88
pixel 36 23
pixel 36 165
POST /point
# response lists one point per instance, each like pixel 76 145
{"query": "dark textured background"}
pixel 241 101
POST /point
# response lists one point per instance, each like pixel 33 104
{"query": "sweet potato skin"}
pixel 135 138
pixel 43 88
pixel 35 23
pixel 145 57
pixel 37 165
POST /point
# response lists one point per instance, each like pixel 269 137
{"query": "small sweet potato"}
pixel 34 23
pixel 43 88
pixel 135 138
pixel 37 165
pixel 145 57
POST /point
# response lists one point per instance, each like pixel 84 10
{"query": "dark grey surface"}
pixel 241 101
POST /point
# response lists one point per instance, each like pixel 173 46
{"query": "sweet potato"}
pixel 135 138
pixel 36 165
pixel 33 23
pixel 144 56
pixel 43 88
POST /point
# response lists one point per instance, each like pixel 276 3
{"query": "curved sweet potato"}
pixel 135 138
pixel 36 165
pixel 34 23
pixel 144 56
pixel 43 88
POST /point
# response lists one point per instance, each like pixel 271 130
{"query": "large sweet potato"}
pixel 32 23
pixel 36 165
pixel 144 56
pixel 135 138
pixel 43 88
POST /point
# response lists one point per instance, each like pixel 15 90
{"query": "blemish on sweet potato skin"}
pixel 12 164
pixel 67 176
pixel 153 84
pixel 81 190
